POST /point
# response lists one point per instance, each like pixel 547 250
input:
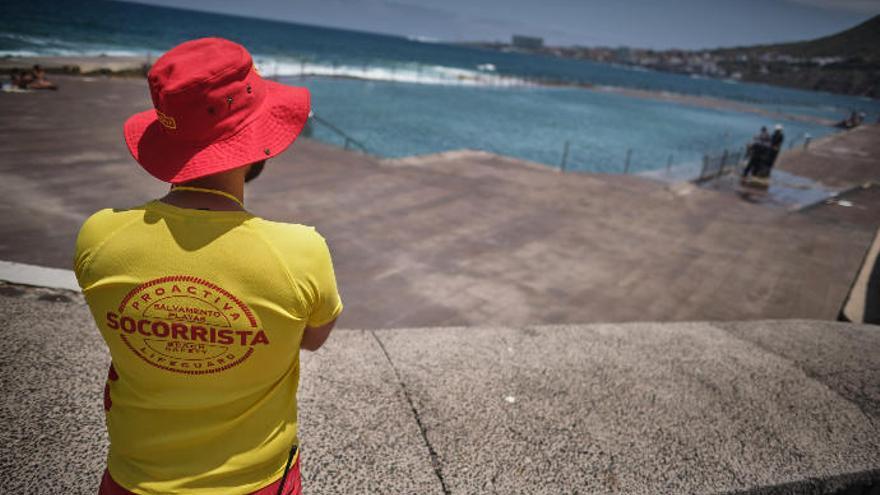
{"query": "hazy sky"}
pixel 640 23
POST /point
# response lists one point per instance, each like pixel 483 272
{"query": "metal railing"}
pixel 628 161
pixel 712 166
pixel 606 167
pixel 348 140
pixel 716 166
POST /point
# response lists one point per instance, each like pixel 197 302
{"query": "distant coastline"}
pixel 846 63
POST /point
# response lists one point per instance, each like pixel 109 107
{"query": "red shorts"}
pixel 292 485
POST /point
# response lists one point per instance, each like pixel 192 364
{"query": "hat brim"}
pixel 274 127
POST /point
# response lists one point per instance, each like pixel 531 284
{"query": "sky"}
pixel 658 24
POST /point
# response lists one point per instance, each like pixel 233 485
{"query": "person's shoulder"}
pixel 104 222
pixel 286 232
pixel 296 243
pixel 99 220
pixel 292 240
pixel 96 230
pixel 108 218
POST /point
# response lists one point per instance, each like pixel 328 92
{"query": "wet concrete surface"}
pixel 784 190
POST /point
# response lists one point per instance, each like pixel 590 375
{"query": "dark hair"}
pixel 254 171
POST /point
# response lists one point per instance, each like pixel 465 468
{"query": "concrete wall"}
pixel 754 407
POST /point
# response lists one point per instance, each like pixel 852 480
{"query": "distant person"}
pixel 776 141
pixel 757 151
pixel 25 77
pixel 14 81
pixel 854 120
pixel 204 306
pixel 38 79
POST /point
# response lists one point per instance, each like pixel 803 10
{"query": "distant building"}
pixel 528 42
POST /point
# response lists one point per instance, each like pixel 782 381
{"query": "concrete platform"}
pixel 840 161
pixel 466 238
pixel 858 207
pixel 775 407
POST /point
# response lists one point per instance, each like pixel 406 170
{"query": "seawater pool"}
pixel 533 123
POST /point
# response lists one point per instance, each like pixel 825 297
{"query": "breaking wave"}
pixel 484 74
pixel 396 72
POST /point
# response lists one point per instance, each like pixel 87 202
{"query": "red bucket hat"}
pixel 213 112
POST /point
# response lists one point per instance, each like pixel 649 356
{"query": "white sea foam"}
pixel 396 72
pixel 55 47
pixel 19 53
pixel 484 74
pixel 34 40
pixel 75 53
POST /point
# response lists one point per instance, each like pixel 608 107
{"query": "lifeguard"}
pixel 204 307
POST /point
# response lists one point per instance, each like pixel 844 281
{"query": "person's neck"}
pixel 230 183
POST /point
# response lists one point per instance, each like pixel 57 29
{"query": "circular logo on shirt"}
pixel 186 324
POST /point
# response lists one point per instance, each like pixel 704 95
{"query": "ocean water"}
pixel 401 97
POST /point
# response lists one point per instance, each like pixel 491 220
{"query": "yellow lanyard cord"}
pixel 209 191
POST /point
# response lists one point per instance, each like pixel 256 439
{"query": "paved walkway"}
pixel 762 407
pixel 451 239
pixel 840 161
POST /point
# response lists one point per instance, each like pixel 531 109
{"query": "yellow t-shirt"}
pixel 203 313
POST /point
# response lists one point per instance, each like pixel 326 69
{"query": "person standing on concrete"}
pixel 776 141
pixel 204 307
pixel 757 152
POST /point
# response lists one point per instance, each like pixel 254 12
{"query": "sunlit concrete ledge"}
pixel 787 406
pixel 38 276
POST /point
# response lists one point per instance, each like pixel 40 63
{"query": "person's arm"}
pixel 323 305
pixel 314 338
